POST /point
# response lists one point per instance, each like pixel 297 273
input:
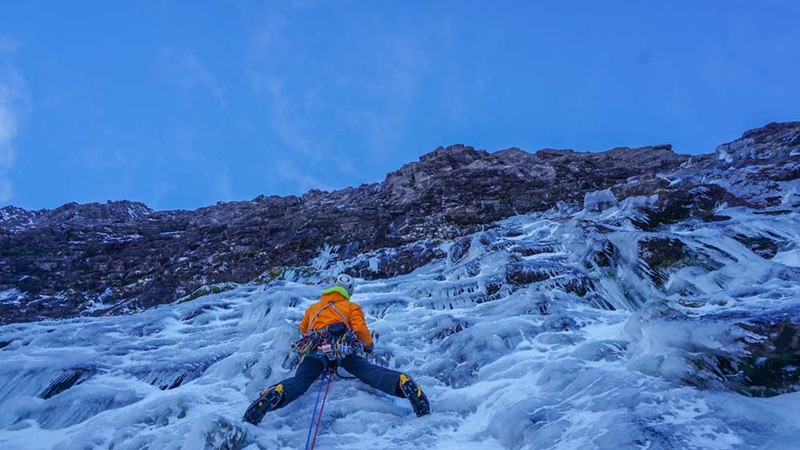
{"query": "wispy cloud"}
pixel 8 45
pixel 186 69
pixel 13 95
pixel 223 187
pixel 314 122
pixel 286 173
pixel 353 116
pixel 289 117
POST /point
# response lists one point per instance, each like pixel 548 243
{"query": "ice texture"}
pixel 548 331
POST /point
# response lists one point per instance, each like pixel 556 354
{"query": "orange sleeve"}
pixel 360 324
pixel 304 322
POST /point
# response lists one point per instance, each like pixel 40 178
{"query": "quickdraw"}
pixel 328 346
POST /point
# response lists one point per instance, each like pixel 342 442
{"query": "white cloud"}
pixel 288 123
pixel 307 122
pixel 185 68
pixel 284 173
pixel 13 95
pixel 223 187
pixel 347 120
pixel 8 127
pixel 8 45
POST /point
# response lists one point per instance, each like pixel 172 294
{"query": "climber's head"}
pixel 345 281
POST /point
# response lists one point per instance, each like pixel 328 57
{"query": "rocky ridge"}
pixel 123 256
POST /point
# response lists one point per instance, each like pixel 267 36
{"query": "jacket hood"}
pixel 338 290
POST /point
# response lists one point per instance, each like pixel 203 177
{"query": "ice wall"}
pixel 566 329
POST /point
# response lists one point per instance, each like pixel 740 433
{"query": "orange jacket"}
pixel 327 315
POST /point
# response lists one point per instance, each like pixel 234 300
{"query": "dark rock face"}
pixel 460 249
pixel 659 253
pixel 92 214
pixel 771 364
pixel 771 142
pixel 123 256
pixel 761 359
pixel 65 381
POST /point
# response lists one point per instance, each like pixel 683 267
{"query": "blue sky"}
pixel 183 104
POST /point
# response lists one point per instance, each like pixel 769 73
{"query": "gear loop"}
pixel 323 344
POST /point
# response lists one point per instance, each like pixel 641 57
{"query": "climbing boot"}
pixel 267 401
pixel 414 394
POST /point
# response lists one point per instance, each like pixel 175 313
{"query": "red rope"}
pixel 322 406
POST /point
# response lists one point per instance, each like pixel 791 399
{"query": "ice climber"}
pixel 336 334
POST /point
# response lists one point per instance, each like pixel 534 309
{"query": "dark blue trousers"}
pixel 311 368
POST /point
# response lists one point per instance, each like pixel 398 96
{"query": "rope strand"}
pixel 311 426
pixel 319 418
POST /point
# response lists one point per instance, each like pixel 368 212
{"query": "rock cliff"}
pixel 123 256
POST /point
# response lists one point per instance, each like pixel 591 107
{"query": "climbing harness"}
pixel 328 345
